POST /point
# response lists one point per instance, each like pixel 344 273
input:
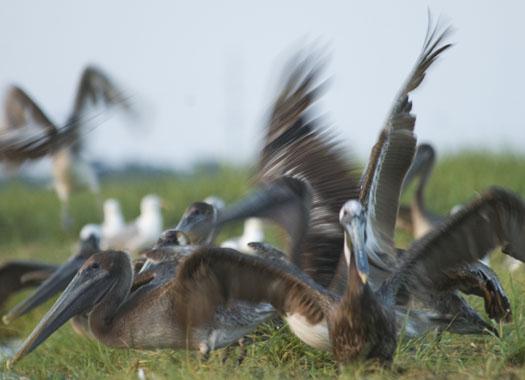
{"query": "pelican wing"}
pixel 16 275
pixel 297 143
pixel 21 111
pixel 217 276
pixel 392 154
pixel 94 89
pixel 495 219
pixel 29 133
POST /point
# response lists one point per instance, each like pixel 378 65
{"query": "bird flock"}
pixel 340 283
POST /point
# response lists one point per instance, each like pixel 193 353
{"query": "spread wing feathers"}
pixel 497 218
pixel 301 90
pixel 16 275
pixel 285 200
pixel 299 144
pixel 96 87
pixel 392 154
pixel 217 276
pixel 29 133
pixel 478 279
pixel 22 111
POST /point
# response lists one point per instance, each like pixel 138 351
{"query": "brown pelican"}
pixel 416 218
pixel 360 323
pixel 18 275
pixel 61 275
pixel 29 134
pixel 143 232
pixel 117 317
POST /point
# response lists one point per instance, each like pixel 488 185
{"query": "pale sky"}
pixel 204 72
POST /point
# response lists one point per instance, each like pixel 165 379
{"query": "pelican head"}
pixel 198 222
pixel 89 244
pixel 92 284
pixel 353 219
pixel 173 237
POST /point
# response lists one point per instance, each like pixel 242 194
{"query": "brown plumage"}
pixel 19 275
pixel 361 322
pixel 30 134
pixel 207 291
pixel 416 218
pixel 297 143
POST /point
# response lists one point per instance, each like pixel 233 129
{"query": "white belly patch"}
pixel 315 336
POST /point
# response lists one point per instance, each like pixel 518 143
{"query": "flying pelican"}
pixel 61 275
pixel 143 232
pixel 29 134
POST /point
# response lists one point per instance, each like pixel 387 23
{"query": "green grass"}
pixel 29 228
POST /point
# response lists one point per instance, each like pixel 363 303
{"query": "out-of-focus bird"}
pixel 29 134
pixel 113 222
pixel 253 232
pixel 143 232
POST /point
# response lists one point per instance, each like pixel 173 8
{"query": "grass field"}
pixel 29 228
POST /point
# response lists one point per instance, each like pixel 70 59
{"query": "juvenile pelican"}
pixel 416 218
pixel 29 134
pixel 61 275
pixel 360 323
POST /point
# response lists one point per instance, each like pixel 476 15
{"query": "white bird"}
pixel 253 232
pixel 143 232
pixel 113 223
pixel 253 229
pixel 29 134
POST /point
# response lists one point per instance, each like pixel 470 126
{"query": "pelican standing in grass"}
pixel 29 134
pixel 417 218
pixel 360 323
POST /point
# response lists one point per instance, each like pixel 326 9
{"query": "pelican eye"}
pixel 95 265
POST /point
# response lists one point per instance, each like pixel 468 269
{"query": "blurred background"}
pixel 204 73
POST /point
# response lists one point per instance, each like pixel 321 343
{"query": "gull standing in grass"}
pixel 143 232
pixel 29 134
